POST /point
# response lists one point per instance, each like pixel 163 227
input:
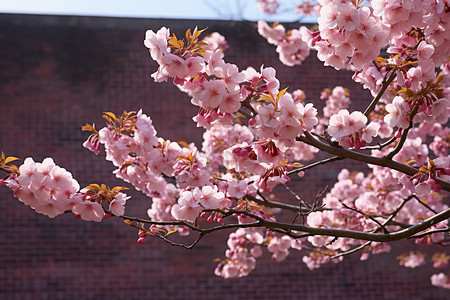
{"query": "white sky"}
pixel 186 9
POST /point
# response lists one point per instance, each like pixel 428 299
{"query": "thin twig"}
pixel 310 166
pixel 297 197
pixel 370 217
pixel 274 204
pixel 374 102
pixel 392 216
pixel 379 147
pixel 360 247
pixel 421 235
pixel 423 203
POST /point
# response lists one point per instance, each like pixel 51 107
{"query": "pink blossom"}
pixel 241 157
pixel 210 95
pixel 308 115
pixel 117 206
pixel 370 131
pixel 272 34
pixel 89 211
pixel 157 42
pixel 188 207
pixel 440 280
pixel 214 61
pixel 210 198
pixel 398 113
pixel 216 41
pixel 412 260
pixel 272 177
pixel 308 9
pixel 279 247
pixel 337 128
pixel 440 260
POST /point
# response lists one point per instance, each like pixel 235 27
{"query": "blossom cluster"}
pixel 291 48
pixel 51 190
pixel 348 34
pixel 199 70
pixel 350 129
pixel 283 120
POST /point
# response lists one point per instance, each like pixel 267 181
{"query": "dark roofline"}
pixel 41 20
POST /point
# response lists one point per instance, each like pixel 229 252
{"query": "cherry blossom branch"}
pixel 326 138
pixel 356 249
pixel 374 102
pixel 310 166
pixel 300 211
pixel 375 237
pixel 386 222
pixel 423 203
pixel 266 202
pixel 380 146
pixel 370 217
pixel 379 161
pixel 161 223
pixel 172 243
pixel 421 235
pixel 292 229
pixel 191 226
pixel 392 216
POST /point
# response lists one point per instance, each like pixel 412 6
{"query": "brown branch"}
pixel 246 104
pixel 421 235
pixel 300 211
pixel 172 243
pixel 379 147
pixel 293 229
pixel 386 222
pixel 379 161
pixel 392 216
pixel 368 236
pixel 367 216
pixel 310 166
pixel 297 197
pixel 360 247
pixel 269 203
pixel 374 102
pixel 423 203
pixel 246 114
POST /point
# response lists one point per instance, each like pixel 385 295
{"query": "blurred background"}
pixel 61 67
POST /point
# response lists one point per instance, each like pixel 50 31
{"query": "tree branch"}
pixel 446 229
pixel 367 216
pixel 356 249
pixel 269 203
pixel 375 237
pixel 310 166
pixel 379 161
pixel 374 102
pixel 379 147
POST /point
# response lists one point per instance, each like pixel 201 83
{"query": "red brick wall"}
pixel 58 73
